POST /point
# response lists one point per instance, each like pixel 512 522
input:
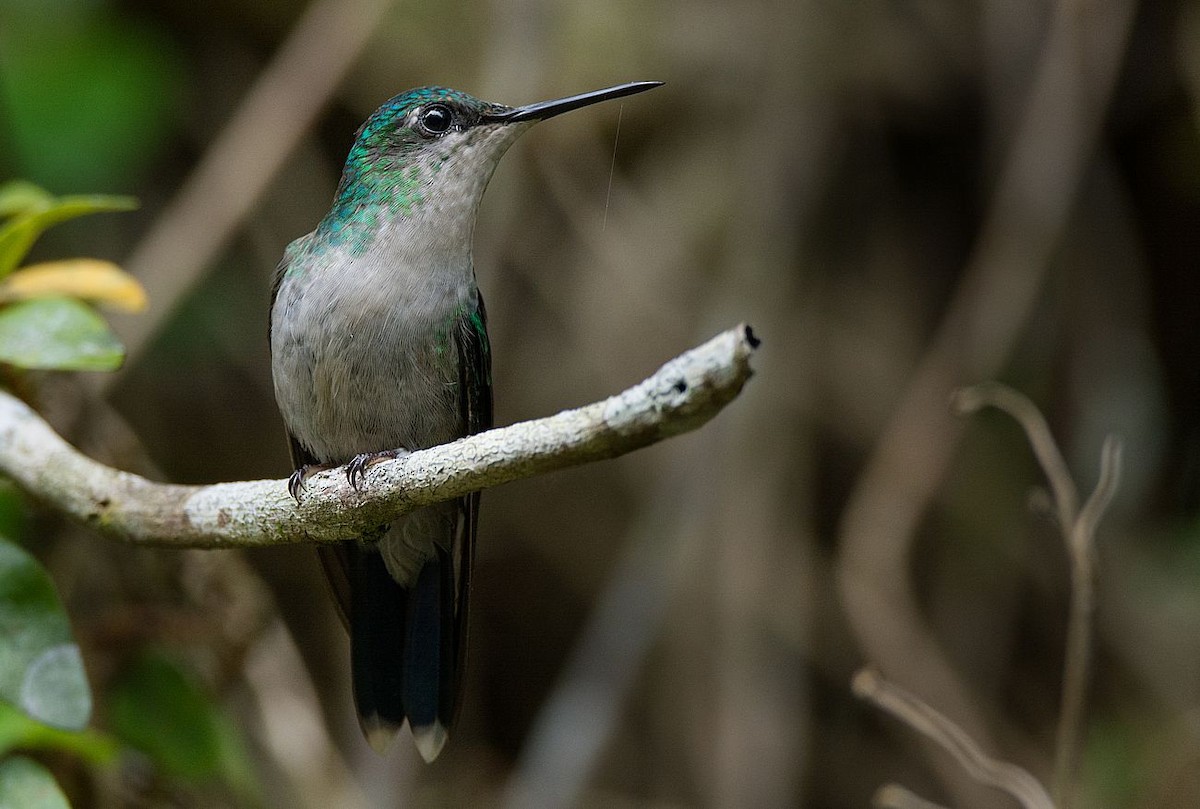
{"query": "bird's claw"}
pixel 356 470
pixel 297 478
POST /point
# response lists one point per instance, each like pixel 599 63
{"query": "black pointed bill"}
pixel 548 109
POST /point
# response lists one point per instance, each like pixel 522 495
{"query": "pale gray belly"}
pixel 377 377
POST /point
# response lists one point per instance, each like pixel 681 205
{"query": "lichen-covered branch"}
pixel 684 394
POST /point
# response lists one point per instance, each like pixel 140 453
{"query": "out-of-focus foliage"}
pixel 30 211
pixel 88 279
pixel 87 97
pixel 58 334
pixel 45 698
pixel 19 732
pixel 40 666
pixel 157 708
pixel 14 515
pixel 54 331
pixel 27 785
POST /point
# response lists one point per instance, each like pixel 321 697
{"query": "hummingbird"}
pixel 379 347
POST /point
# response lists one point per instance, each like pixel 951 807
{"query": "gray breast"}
pixel 364 357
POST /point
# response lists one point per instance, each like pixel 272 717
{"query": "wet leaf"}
pixel 41 671
pixel 57 334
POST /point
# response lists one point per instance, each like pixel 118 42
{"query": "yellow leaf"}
pixel 86 278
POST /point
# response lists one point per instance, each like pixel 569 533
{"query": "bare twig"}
pixel 1079 530
pixel 1025 413
pixel 1106 488
pixel 684 394
pixel 909 709
pixel 1080 537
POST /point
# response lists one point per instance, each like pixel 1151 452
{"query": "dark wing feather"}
pixel 475 369
pixel 475 403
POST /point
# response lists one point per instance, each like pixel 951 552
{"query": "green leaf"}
pixel 18 196
pixel 19 732
pixel 25 784
pixel 57 334
pixel 156 707
pixel 19 234
pixel 41 671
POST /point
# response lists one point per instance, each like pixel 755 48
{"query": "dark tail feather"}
pixel 431 656
pixel 378 606
pixel 403 651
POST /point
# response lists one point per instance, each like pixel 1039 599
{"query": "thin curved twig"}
pixel 1018 406
pixel 1079 535
pixel 1106 487
pixel 869 685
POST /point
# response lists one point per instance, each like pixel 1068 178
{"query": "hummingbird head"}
pixel 429 153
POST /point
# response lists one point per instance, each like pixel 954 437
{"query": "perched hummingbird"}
pixel 379 346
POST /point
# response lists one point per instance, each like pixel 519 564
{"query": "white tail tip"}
pixel 379 733
pixel 430 740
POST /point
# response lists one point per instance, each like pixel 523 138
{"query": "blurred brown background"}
pixel 901 198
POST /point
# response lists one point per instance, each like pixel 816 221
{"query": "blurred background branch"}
pixel 991 772
pixel 1045 165
pixel 1079 535
pixel 271 119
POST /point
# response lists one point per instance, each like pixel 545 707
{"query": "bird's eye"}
pixel 436 119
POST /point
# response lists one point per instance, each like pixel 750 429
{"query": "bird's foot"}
pixel 297 478
pixel 359 464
